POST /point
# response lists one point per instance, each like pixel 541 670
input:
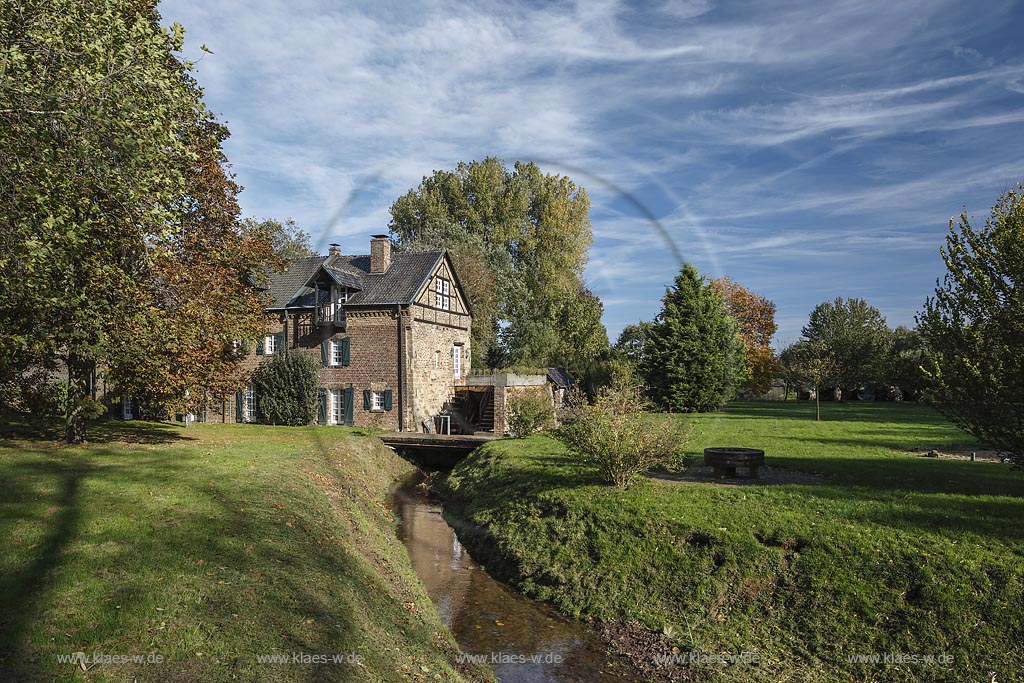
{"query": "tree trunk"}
pixel 78 389
pixel 817 403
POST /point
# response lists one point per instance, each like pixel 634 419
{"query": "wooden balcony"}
pixel 330 314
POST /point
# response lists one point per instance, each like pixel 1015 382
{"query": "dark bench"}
pixel 726 460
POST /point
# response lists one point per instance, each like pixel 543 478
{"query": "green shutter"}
pixel 325 352
pixel 346 351
pixel 259 347
pixel 279 341
pixel 366 399
pixel 350 400
pixel 239 402
pixel 387 399
pixel 322 417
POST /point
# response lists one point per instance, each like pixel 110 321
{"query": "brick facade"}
pixel 408 359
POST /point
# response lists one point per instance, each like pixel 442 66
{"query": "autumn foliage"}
pixel 755 316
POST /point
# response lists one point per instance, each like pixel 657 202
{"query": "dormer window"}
pixel 442 294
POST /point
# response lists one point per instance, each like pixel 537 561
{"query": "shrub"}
pixel 529 411
pixel 615 433
pixel 287 389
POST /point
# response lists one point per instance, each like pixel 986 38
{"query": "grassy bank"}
pixel 886 552
pixel 209 548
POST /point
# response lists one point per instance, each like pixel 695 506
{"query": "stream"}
pixel 522 640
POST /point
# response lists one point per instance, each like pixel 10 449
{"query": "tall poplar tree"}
pixel 524 236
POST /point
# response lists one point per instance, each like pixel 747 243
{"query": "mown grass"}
pixel 208 547
pixel 889 552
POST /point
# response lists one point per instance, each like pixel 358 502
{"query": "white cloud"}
pixel 758 139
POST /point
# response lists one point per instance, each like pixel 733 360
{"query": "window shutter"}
pixel 346 351
pixel 325 352
pixel 387 400
pixel 279 340
pixel 350 406
pixel 239 406
pixel 322 417
pixel 259 347
pixel 366 399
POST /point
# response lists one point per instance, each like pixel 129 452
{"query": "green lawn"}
pixel 889 552
pixel 209 547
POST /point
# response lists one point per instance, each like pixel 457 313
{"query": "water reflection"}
pixel 522 640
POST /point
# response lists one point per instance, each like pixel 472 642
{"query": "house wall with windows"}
pixel 392 366
pixel 439 337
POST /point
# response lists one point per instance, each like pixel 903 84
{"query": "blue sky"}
pixel 808 150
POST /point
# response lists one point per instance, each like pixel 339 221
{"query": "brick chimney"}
pixel 335 249
pixel 380 253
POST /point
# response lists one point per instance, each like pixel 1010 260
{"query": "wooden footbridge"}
pixel 435 450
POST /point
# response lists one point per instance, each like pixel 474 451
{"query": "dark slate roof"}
pixel 398 285
pixel 560 377
pixel 284 285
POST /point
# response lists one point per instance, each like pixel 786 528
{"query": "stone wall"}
pixel 506 386
pixel 432 378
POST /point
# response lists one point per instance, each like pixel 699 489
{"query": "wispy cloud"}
pixel 807 150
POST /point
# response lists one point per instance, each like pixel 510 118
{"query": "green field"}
pixel 209 547
pixel 888 553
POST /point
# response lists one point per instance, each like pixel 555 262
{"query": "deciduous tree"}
pixel 854 335
pixel 755 318
pixel 632 342
pixel 974 327
pixel 533 232
pixel 102 128
pixel 287 239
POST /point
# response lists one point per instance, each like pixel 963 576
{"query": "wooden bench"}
pixel 726 460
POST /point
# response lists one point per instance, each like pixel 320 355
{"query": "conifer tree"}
pixel 692 358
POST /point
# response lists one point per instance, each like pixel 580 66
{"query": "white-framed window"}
pixel 376 400
pixel 249 409
pixel 337 413
pixel 442 294
pixel 457 361
pixel 127 409
pixel 336 352
pixel 270 344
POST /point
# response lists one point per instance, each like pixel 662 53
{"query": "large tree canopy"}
pixel 974 327
pixel 854 336
pixel 111 191
pixel 288 240
pixel 522 236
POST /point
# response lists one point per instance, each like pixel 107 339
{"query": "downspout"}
pixel 401 370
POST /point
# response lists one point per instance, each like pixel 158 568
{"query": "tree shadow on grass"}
pixel 248 565
pixel 832 411
pixel 22 591
pixel 131 431
pixel 911 474
pixel 927 511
